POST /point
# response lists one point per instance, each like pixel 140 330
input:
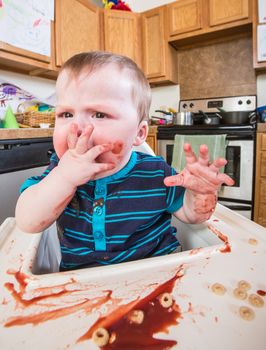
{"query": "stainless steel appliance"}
pixel 240 151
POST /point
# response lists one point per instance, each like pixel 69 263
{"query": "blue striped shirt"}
pixel 122 217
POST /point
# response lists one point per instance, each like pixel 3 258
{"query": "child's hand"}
pixel 78 164
pixel 198 175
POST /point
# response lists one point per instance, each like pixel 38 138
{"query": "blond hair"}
pixel 93 60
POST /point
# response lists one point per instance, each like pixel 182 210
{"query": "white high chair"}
pixel 48 255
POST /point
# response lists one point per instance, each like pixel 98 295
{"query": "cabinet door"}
pixel 225 11
pixel 122 34
pixel 154 43
pixel 184 16
pixel 77 28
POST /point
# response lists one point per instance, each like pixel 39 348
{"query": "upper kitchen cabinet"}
pixel 192 21
pixel 159 58
pixel 259 35
pixel 21 58
pixel 226 11
pixel 184 16
pixel 122 34
pixel 77 28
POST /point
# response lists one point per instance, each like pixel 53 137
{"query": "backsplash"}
pixel 223 69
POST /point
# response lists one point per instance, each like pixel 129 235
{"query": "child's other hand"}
pixel 78 164
pixel 199 175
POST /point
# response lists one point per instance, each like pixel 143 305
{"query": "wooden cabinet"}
pixel 77 28
pixel 258 64
pixel 191 21
pixel 152 138
pixel 122 34
pixel 159 58
pixel 184 16
pixel 15 59
pixel 260 184
pixel 226 11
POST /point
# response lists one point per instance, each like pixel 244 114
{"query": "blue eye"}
pixel 99 115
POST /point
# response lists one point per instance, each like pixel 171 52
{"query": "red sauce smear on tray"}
pixel 129 335
pixel 261 292
pixel 226 248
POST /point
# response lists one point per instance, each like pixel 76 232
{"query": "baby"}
pixel 112 204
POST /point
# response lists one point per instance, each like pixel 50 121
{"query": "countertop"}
pixel 261 127
pixel 215 294
pixel 25 133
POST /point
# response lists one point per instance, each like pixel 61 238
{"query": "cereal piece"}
pixel 246 313
pixel 240 293
pixel 244 285
pixel 218 289
pixel 166 300
pixel 100 336
pixel 255 300
pixel 252 241
pixel 136 316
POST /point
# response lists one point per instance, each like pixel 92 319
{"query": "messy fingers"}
pixel 203 155
pixel 72 136
pixel 217 164
pixel 225 179
pixel 175 180
pixel 189 154
pixel 82 144
pixel 96 151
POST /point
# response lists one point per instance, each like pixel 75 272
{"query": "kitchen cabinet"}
pixel 15 59
pixel 192 21
pixel 122 34
pixel 77 28
pixel 258 64
pixel 160 59
pixel 184 16
pixel 226 11
pixel 260 182
pixel 152 138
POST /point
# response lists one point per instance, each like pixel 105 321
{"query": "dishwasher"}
pixel 19 160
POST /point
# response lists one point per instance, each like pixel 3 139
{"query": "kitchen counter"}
pixel 25 133
pixel 261 127
pixel 216 288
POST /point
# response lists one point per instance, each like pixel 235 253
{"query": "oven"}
pixel 240 155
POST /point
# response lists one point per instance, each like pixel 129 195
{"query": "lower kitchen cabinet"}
pixel 152 139
pixel 260 184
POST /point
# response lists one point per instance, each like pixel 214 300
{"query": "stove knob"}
pixel 240 102
pixel 191 105
pixel 184 105
pixel 248 102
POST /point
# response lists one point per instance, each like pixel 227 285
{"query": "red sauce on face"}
pixel 133 336
pixel 118 145
pixel 261 292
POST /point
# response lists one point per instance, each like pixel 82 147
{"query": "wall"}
pixel 37 86
pixel 222 69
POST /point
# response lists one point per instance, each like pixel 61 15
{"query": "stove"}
pixel 240 150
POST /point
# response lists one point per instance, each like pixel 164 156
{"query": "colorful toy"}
pixel 116 5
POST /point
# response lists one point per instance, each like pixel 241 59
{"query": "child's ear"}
pixel 142 133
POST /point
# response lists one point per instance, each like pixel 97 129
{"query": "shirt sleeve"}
pixel 174 194
pixel 36 179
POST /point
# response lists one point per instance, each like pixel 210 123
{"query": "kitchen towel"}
pixel 216 145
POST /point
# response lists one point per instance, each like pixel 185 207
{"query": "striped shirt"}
pixel 122 217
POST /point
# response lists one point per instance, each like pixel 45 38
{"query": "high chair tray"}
pixel 210 297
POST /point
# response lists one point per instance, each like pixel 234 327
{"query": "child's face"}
pixel 102 99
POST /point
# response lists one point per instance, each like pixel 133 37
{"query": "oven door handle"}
pixel 238 207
